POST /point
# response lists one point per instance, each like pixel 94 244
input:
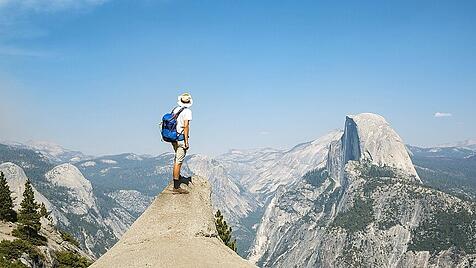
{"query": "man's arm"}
pixel 186 130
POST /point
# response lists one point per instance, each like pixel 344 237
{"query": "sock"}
pixel 176 184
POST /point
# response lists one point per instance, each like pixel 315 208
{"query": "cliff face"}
pixel 16 179
pixel 368 137
pixel 175 231
pixel 366 208
pixel 227 195
pixel 243 180
pixel 69 177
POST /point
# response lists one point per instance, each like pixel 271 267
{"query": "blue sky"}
pixel 97 75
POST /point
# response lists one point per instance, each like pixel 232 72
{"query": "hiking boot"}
pixel 179 191
pixel 185 180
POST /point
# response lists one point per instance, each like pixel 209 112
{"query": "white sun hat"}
pixel 185 100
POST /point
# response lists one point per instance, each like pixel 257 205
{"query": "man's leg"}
pixel 176 173
pixel 179 157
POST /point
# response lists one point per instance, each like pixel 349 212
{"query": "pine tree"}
pixel 6 202
pixel 28 216
pixel 43 211
pixel 224 231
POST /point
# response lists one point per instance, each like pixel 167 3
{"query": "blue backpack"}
pixel 169 127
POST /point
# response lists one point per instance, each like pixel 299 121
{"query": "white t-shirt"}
pixel 186 114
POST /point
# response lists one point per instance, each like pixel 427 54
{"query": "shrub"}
pixel 68 259
pixel 316 177
pixel 11 251
pixel 356 218
pixel 69 238
pixel 224 231
pixel 446 229
pixel 7 264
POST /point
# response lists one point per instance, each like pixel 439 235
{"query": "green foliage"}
pixel 464 167
pixel 390 215
pixel 15 264
pixel 43 211
pixel 376 176
pixel 369 170
pixel 456 176
pixel 29 218
pixel 356 218
pixel 26 234
pixel 316 177
pixel 6 202
pixel 69 238
pixel 28 213
pixel 224 231
pixel 11 251
pixel 446 229
pixel 68 259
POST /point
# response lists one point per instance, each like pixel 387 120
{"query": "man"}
pixel 184 102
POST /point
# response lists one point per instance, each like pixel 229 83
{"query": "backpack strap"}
pixel 178 113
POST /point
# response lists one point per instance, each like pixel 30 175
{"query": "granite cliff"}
pixel 366 208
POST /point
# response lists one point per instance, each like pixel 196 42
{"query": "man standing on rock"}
pixel 183 113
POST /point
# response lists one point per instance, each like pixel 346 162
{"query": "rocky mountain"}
pixel 96 200
pixel 232 199
pixel 261 172
pixel 56 242
pixel 452 169
pixel 45 256
pixel 243 181
pixel 236 201
pixel 175 231
pixel 115 190
pixel 468 144
pixel 441 152
pixel 54 152
pixel 147 175
pixel 283 205
pixel 79 190
pixel 16 179
pixel 366 208
pixel 65 193
pixel 369 136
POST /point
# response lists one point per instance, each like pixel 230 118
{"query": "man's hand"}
pixel 186 130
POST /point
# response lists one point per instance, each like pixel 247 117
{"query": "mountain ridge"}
pixel 469 144
pixel 362 210
pixel 236 171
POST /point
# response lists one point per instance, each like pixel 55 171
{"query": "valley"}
pixel 319 203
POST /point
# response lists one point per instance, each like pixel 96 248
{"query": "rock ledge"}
pixel 175 231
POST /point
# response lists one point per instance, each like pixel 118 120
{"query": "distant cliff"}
pixel 175 231
pixel 366 208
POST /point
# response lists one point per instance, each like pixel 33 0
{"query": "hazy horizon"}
pixel 27 142
pixel 97 76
